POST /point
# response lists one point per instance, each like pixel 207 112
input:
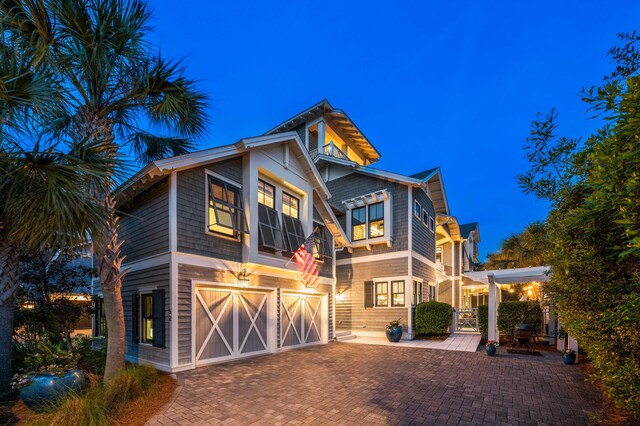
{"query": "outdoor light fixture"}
pixel 243 279
pixel 340 297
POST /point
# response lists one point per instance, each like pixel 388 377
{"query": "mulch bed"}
pixel 135 413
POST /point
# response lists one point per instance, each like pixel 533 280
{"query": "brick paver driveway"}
pixel 361 384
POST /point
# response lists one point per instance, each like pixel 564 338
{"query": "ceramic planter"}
pixel 394 334
pixel 491 350
pixel 47 387
pixel 569 358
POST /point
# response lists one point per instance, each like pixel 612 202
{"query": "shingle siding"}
pixel 423 241
pixel 144 223
pixel 350 311
pixel 357 184
pixel 192 212
pixel 147 279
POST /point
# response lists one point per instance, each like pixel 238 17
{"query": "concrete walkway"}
pixel 464 342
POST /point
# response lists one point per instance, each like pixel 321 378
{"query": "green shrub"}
pixel 433 318
pixel 483 320
pixel 511 314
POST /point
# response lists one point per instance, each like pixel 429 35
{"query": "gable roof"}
pixel 338 119
pixel 425 174
pixel 467 228
pixel 160 168
pixel 433 179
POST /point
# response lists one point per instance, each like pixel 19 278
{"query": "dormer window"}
pixel 266 194
pixel 290 205
pixel 369 219
pixel 226 215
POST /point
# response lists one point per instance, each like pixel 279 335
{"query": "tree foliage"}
pixel 521 250
pixel 594 225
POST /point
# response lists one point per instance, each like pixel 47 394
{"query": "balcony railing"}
pixel 331 150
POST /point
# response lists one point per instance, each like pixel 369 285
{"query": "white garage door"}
pixel 230 324
pixel 300 320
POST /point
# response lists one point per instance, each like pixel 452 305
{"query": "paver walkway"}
pixel 465 342
pixel 370 384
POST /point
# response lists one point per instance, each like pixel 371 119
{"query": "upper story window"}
pixel 425 218
pixel 432 226
pixel 226 215
pixel 266 194
pixel 323 243
pixel 439 258
pixel 376 220
pixel 359 223
pixel 290 205
pixel 417 210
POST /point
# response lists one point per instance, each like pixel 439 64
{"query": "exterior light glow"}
pixel 243 279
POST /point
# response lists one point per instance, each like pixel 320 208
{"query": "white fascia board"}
pixel 391 176
pixel 333 217
pixel 260 141
pixel 444 193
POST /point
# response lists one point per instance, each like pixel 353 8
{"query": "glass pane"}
pixel 359 232
pixel 376 229
pixel 358 216
pixel 398 299
pixel 290 205
pixel 397 287
pixel 266 194
pixel 148 329
pixel 225 219
pixel 382 296
pixel 147 302
pixel 376 211
pixel 418 210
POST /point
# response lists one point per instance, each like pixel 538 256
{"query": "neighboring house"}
pixel 209 237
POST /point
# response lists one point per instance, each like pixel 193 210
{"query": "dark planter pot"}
pixel 491 350
pixel 523 333
pixel 47 387
pixel 569 359
pixel 394 334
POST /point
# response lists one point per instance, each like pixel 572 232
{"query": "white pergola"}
pixel 493 279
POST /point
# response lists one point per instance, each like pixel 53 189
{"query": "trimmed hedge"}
pixel 511 314
pixel 483 320
pixel 433 318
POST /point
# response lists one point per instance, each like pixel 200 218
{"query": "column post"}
pixel 493 309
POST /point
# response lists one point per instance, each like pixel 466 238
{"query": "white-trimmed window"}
pixel 266 194
pixel 397 293
pixel 417 209
pixel 433 292
pixel 439 258
pixel 382 294
pixel 290 205
pixel 431 224
pixel 425 217
pixel 417 292
pixel 225 212
pixel 369 219
pixel 376 220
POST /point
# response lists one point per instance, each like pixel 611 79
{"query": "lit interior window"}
pixel 359 224
pixel 382 294
pixel 397 293
pixel 266 194
pixel 224 214
pixel 290 205
pixel 147 317
pixel 376 220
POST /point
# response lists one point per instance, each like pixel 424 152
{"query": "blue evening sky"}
pixel 449 84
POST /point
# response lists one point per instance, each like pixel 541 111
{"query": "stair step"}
pixel 345 337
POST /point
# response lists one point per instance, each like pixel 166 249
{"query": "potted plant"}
pixel 48 374
pixel 569 357
pixel 491 347
pixel 394 331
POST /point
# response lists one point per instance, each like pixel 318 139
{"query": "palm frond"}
pixel 148 147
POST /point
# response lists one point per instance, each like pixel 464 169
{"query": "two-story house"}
pixel 209 238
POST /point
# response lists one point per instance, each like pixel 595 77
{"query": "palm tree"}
pixel 43 182
pixel 117 89
pixel 521 250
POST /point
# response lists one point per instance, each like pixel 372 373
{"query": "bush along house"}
pixel 210 239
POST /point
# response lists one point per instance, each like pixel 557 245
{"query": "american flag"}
pixel 307 262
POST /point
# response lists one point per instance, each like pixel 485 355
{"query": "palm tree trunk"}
pixel 109 264
pixel 9 282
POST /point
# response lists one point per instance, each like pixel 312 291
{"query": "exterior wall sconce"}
pixel 243 279
pixel 340 297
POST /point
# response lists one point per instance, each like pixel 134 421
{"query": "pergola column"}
pixel 493 309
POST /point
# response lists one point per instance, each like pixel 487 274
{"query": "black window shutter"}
pixel 135 318
pixel 368 294
pixel 158 318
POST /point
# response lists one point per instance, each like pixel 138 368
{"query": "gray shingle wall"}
pixel 423 241
pixel 357 184
pixel 192 212
pixel 157 278
pixel 144 223
pixel 424 271
pixel 350 311
pixel 444 292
